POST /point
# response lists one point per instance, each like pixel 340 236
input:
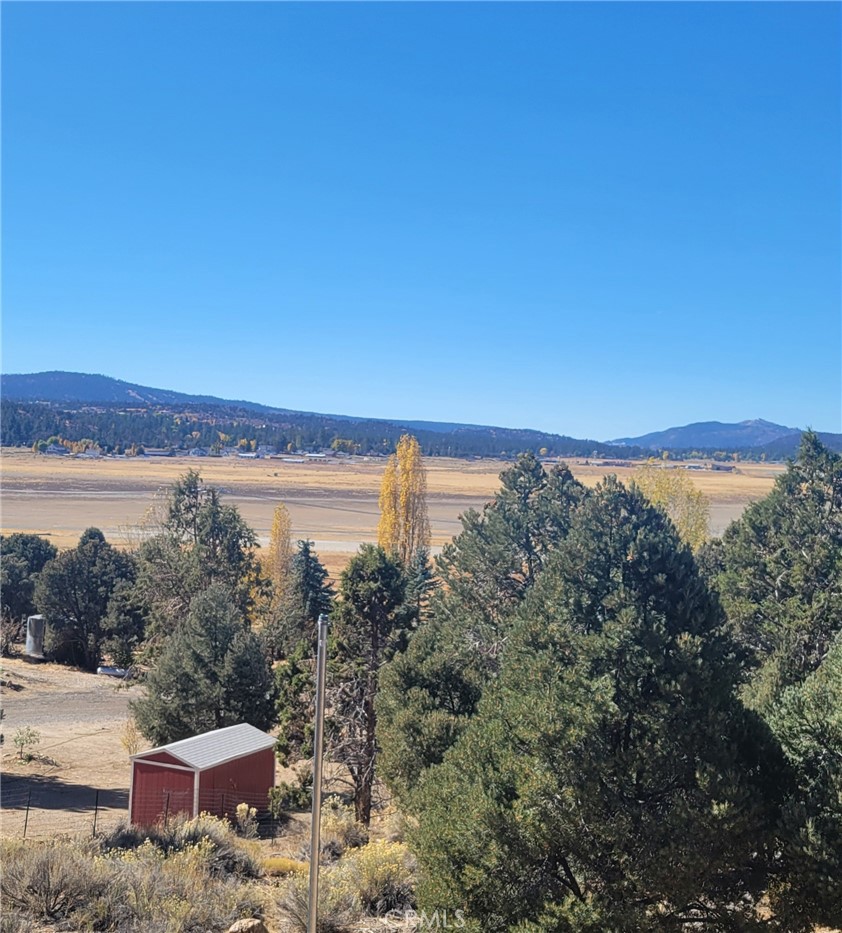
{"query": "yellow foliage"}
pixel 674 493
pixel 404 526
pixel 130 737
pixel 279 561
pixel 388 528
pixel 375 873
pixel 276 865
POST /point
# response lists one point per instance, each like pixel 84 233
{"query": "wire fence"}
pixel 37 812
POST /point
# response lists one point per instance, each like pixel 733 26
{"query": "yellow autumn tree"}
pixel 388 528
pixel 404 527
pixel 279 557
pixel 673 492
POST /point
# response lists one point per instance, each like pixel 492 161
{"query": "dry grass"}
pixel 196 880
pixel 333 503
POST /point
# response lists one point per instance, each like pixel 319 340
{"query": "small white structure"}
pixel 36 626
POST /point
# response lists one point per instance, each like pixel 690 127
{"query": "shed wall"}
pixel 162 756
pixel 244 780
pixel 159 793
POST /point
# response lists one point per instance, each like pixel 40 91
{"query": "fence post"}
pixel 26 818
pixel 96 810
pixel 167 810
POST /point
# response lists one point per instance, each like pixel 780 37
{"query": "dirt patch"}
pixel 79 764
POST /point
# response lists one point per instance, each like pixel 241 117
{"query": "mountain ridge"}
pixel 757 435
pixel 97 388
pixel 754 432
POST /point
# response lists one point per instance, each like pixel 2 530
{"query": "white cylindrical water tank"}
pixel 35 628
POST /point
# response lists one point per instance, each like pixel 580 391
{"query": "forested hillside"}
pixel 215 427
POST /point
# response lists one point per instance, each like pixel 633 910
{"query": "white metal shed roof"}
pixel 215 748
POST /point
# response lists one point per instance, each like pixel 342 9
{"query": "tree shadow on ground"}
pixel 47 792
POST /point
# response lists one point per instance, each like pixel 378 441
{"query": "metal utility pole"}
pixel 318 741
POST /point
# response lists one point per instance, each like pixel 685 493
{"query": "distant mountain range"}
pixel 776 441
pixel 79 393
pixel 708 434
pixel 62 387
pixel 119 415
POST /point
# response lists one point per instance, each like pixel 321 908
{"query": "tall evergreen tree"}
pixel 371 623
pixel 610 780
pixel 211 673
pixel 73 592
pixel 310 581
pixel 808 723
pixel 22 558
pixel 781 577
pixel 431 691
pixel 199 541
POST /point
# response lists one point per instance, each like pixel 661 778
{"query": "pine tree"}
pixel 310 578
pixel 22 558
pixel 808 723
pixel 610 780
pixel 371 623
pixel 211 673
pixel 431 691
pixel 781 577
pixel 295 682
pixel 198 541
pixel 73 592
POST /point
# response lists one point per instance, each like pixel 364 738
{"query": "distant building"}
pixel 56 450
pixel 197 452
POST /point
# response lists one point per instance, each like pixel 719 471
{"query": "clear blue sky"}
pixel 597 219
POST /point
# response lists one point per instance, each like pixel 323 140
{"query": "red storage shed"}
pixel 209 773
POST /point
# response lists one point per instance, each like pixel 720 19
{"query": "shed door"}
pixel 160 793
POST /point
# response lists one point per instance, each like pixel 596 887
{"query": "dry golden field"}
pixel 333 502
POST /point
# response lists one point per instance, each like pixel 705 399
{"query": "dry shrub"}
pixel 226 853
pixel 194 885
pixel 368 881
pixel 337 908
pixel 130 737
pixel 12 921
pixel 48 881
pixel 381 875
pixel 340 829
pixel 151 891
